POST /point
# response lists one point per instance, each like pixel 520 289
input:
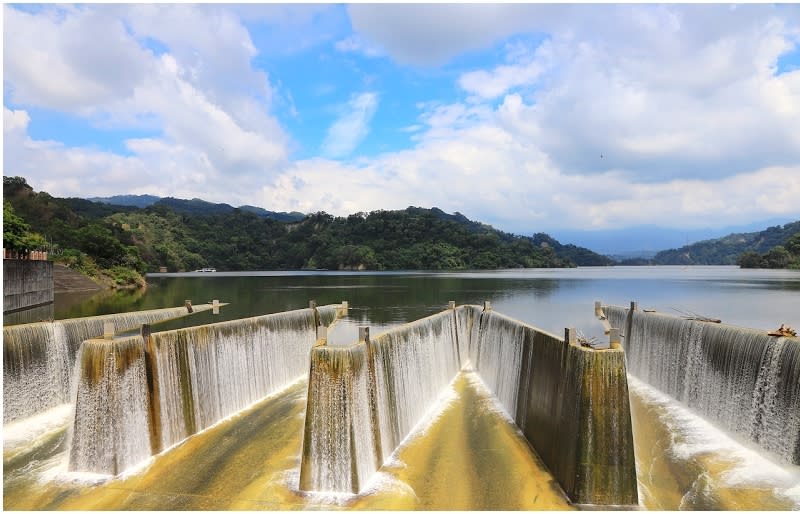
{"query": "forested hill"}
pixel 728 249
pixel 167 234
pixel 194 206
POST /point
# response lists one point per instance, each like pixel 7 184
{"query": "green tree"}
pixel 749 260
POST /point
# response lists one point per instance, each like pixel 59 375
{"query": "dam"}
pixel 201 424
pixel 38 358
pixel 142 395
pixel 744 380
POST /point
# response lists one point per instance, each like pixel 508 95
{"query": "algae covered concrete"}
pixel 467 457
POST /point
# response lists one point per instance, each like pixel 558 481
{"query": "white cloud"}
pixel 694 127
pixel 208 109
pixel 53 59
pixel 356 44
pixel 351 127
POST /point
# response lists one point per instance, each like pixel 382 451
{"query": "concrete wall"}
pixel 140 395
pixel 741 379
pixel 26 283
pixel 570 402
pixel 38 358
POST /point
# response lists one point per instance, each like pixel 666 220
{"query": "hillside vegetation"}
pixel 774 247
pixel 191 234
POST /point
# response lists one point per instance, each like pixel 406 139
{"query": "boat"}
pixel 206 270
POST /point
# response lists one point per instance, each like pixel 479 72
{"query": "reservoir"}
pixel 683 461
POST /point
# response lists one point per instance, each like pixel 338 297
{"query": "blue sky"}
pixel 529 117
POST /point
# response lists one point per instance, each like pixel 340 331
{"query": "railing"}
pixel 32 255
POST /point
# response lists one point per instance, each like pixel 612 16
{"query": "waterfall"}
pixel 500 363
pixel 138 396
pixel 36 369
pixel 741 379
pixel 570 402
pixel 38 357
pixel 209 372
pixel 111 429
pixel 413 364
pixel 340 431
pixel 364 399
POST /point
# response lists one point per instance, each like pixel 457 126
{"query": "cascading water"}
pixel 365 399
pixel 36 369
pixel 208 373
pixel 413 364
pixel 500 361
pixel 743 380
pixel 571 402
pixel 138 396
pixel 340 429
pixel 38 357
pixel 111 430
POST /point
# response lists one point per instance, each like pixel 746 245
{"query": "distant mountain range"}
pixel 647 240
pixel 194 206
pixel 728 249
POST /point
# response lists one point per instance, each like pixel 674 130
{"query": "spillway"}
pixel 570 402
pixel 743 380
pixel 38 358
pixel 364 399
pixel 138 396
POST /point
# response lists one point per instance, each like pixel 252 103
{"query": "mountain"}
pixel 140 201
pixel 728 249
pixel 579 255
pixel 190 234
pixel 647 240
pixel 195 206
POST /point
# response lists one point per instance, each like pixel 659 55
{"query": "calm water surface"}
pixel 551 299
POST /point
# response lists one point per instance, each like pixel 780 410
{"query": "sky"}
pixel 527 117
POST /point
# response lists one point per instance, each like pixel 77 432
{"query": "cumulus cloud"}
pixel 627 114
pixel 351 127
pixel 208 109
pixel 53 59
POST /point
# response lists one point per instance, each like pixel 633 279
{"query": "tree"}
pixel 749 260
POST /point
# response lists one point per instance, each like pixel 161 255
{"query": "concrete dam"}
pixel 570 402
pixel 743 380
pixel 38 358
pixel 138 396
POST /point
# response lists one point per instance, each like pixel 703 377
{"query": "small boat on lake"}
pixel 206 270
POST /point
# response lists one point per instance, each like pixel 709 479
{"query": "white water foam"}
pixel 693 435
pixel 28 430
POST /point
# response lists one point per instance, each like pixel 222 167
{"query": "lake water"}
pixel 683 461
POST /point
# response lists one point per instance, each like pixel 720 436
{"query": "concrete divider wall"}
pixel 26 283
pixel 570 402
pixel 186 379
pixel 743 380
pixel 38 358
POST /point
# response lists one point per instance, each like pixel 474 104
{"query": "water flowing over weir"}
pixel 38 357
pixel 140 395
pixel 743 380
pixel 365 398
pixel 571 403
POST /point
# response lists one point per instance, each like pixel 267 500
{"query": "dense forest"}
pixel 786 255
pixel 181 235
pixel 769 248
